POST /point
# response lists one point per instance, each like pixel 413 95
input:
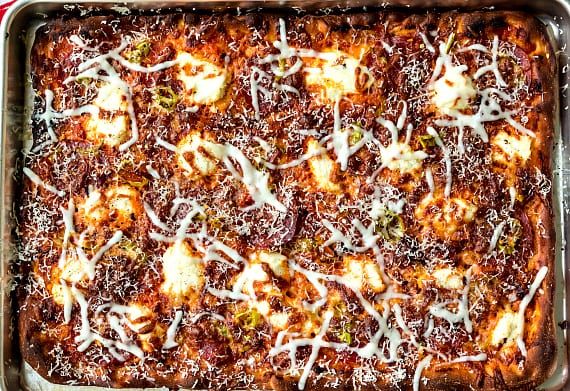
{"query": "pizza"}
pixel 345 200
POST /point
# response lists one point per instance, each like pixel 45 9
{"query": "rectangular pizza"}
pixel 356 200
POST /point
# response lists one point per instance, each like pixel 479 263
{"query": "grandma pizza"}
pixel 343 201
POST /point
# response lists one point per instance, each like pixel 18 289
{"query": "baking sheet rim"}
pixel 561 162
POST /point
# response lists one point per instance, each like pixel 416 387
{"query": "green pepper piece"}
pixel 248 319
pixel 165 97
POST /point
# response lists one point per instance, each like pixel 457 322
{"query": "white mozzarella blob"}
pixel 337 73
pixel 361 273
pixel 112 132
pixel 506 330
pixel 205 81
pixel 138 315
pixel 277 262
pixel 196 156
pixel 279 321
pixel 322 167
pixel 400 157
pixel 453 90
pixel 111 98
pixel 251 273
pixel 122 199
pixel 90 209
pixel 454 213
pixel 448 278
pixel 511 148
pixel 182 270
pixel 74 268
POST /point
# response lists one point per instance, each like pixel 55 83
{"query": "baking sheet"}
pixel 15 23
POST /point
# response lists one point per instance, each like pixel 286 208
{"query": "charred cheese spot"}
pixel 205 82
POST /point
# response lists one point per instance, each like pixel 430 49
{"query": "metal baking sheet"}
pixel 18 22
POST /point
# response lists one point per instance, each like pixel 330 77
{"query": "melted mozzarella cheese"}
pixel 534 287
pixel 464 209
pixel 363 272
pixel 122 199
pixel 62 295
pixel 92 209
pixel 138 316
pixel 453 90
pixel 111 97
pixel 90 206
pixel 322 167
pixel 277 262
pixel 448 217
pixel 279 320
pixel 203 154
pixel 336 73
pixel 461 312
pixel 73 269
pixel 251 273
pixel 112 132
pixel 57 294
pixel 201 161
pixel 354 273
pixel 311 326
pixel 374 277
pixel 182 270
pixel 206 82
pixel 38 181
pixel 506 330
pixel 448 278
pixel 511 147
pixel 399 156
pixel 263 307
pixel 171 332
